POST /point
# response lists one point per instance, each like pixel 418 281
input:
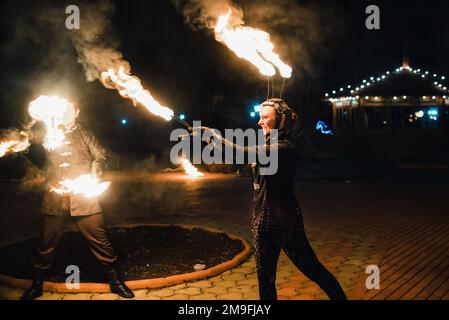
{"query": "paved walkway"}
pixel 408 239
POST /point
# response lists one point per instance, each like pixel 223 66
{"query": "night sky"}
pixel 192 73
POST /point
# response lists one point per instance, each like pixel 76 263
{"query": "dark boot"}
pixel 116 284
pixel 36 289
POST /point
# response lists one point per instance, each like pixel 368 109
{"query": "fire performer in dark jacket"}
pixel 80 154
pixel 277 221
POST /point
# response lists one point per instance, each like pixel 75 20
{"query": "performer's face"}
pixel 267 119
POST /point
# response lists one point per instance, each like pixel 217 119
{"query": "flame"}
pixel 13 146
pixel 251 44
pixel 54 112
pixel 130 87
pixel 86 185
pixel 190 169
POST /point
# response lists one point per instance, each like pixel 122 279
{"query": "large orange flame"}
pixel 86 185
pixel 130 87
pixel 55 113
pixel 14 146
pixel 251 44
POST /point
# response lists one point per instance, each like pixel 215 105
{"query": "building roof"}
pixel 404 81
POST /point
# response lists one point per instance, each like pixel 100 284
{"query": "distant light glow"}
pixel 324 128
pixel 124 121
pixel 182 116
pixel 419 114
pixel 252 114
pixel 257 108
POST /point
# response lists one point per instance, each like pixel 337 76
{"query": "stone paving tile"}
pixel 310 290
pixel 140 293
pixel 177 297
pixel 52 296
pixel 234 276
pixel 248 282
pixel 215 290
pixel 226 283
pixel 162 293
pixel 105 296
pixel 204 296
pixel 179 286
pixel 230 296
pixel 303 297
pixel 200 284
pixel 242 289
pixel 215 279
pixel 290 284
pixel 254 295
pixel 189 291
pixel 150 297
pixel 321 296
pixel 287 292
pixel 245 270
pixel 78 296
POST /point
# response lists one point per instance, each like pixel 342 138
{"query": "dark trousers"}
pixel 268 245
pixel 92 229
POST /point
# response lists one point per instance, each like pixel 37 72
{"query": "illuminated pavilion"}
pixel 399 100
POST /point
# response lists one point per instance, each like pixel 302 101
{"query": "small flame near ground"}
pixel 190 170
pixel 87 185
pixel 251 44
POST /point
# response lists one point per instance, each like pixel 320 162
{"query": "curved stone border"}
pixel 145 283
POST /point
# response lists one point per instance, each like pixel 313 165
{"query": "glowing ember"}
pixel 251 44
pixel 86 185
pixel 130 87
pixel 13 146
pixel 55 113
pixel 190 169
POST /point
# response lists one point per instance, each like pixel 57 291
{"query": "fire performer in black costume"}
pixel 80 154
pixel 277 221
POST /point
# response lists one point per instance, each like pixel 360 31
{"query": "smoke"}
pixel 95 46
pixel 201 14
pixel 97 52
pixel 13 141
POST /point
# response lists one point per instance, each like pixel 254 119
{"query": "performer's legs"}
pixel 267 252
pixel 51 233
pixel 298 249
pixel 52 230
pixel 92 228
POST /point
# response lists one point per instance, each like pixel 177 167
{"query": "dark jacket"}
pixel 275 206
pixel 81 152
